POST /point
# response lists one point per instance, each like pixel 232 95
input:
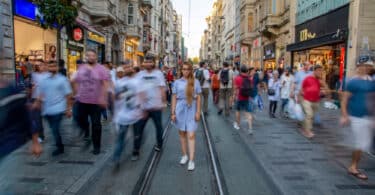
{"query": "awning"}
pixel 88 27
pixel 317 42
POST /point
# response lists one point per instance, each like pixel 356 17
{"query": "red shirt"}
pixel 238 83
pixel 170 77
pixel 311 89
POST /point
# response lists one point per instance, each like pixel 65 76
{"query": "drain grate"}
pixel 31 179
pixel 367 186
pixel 347 187
pixel 36 164
pixel 319 159
pixel 76 162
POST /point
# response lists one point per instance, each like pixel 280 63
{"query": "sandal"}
pixel 358 175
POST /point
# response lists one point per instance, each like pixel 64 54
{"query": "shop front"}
pixel 269 56
pixel 323 41
pixel 131 50
pixel 30 40
pixel 96 42
pixel 75 47
pixel 256 53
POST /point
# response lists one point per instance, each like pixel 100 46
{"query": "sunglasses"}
pixel 363 59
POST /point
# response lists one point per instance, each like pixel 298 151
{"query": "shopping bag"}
pixel 291 106
pixel 298 111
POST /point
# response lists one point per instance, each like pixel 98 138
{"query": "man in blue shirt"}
pixel 54 94
pixel 356 110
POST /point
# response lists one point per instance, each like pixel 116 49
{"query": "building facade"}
pixel 7 69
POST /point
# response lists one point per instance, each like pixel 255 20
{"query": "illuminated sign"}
pixel 305 35
pixel 95 37
pixel 25 8
pixel 77 34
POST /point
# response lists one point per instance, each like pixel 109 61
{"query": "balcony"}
pixel 147 4
pixel 270 24
pixel 134 31
pixel 102 12
pixel 247 37
pixel 245 3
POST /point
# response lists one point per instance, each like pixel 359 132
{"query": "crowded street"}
pixel 185 97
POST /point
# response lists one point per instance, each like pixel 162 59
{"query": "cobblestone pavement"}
pixel 301 166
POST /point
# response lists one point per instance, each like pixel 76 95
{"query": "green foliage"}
pixel 56 13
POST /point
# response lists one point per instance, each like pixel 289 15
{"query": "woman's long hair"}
pixel 189 91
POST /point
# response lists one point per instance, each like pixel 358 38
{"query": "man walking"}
pixel 357 110
pixel 243 89
pixel 203 76
pixel 91 86
pixel 54 93
pixel 226 89
pixel 154 86
pixel 310 92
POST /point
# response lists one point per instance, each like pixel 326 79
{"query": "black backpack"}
pixel 224 77
pixel 246 89
pixel 200 76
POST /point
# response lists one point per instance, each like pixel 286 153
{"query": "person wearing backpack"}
pixel 226 88
pixel 215 86
pixel 243 89
pixel 203 76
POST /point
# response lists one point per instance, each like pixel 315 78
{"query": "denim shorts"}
pixel 244 105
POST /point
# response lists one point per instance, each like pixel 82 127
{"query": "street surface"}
pixel 277 159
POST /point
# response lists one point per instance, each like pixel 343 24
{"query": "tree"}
pixel 56 13
pixel 196 60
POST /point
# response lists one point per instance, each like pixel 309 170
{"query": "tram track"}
pixel 218 182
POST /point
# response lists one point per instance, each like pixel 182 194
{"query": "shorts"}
pixel 362 133
pixel 244 105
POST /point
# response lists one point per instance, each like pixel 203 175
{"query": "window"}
pixel 250 23
pixel 130 13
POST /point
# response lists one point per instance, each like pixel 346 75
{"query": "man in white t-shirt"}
pixel 153 82
pixel 203 76
pixel 128 110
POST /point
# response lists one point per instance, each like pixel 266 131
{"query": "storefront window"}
pixel 130 13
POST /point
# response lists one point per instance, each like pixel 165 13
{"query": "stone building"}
pixel 7 69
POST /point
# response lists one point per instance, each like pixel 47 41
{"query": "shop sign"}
pixel 26 9
pixel 77 34
pixel 323 25
pixel 95 37
pixel 257 42
pixel 75 44
pixel 269 51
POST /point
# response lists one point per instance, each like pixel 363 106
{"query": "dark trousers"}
pixel 123 130
pixel 37 122
pixel 155 115
pixel 215 96
pixel 93 111
pixel 169 93
pixel 54 122
pixel 273 107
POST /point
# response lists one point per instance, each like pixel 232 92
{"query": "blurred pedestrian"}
pixel 355 110
pixel 274 93
pixel 54 97
pixel 91 83
pixel 185 109
pixel 287 79
pixel 62 69
pixel 153 81
pixel 243 88
pixel 37 77
pixel 203 76
pixel 215 86
pixel 226 77
pixel 128 110
pixel 311 92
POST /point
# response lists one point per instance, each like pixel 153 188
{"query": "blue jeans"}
pixel 54 122
pixel 284 102
pixel 120 144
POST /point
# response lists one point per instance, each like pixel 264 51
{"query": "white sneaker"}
pixel 235 125
pixel 184 160
pixel 191 166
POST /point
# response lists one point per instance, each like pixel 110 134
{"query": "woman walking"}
pixel 185 109
pixel 215 85
pixel 273 93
